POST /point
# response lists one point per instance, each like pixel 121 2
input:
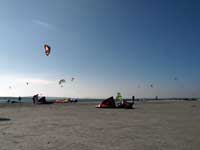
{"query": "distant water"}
pixel 29 99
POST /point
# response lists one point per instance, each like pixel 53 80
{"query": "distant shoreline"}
pixel 90 100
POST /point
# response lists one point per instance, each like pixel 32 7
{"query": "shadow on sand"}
pixel 4 119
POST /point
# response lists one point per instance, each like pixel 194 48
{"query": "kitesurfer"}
pixel 19 99
pixel 119 99
pixel 35 99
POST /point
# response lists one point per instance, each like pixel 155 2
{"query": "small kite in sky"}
pixel 47 49
pixel 61 82
pixel 175 78
pixel 151 85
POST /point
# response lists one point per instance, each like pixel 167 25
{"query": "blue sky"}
pixel 107 45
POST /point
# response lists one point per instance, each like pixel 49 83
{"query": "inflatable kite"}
pixel 110 103
pixel 61 82
pixel 151 85
pixel 47 49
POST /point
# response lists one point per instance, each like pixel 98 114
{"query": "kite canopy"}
pixel 110 103
pixel 175 78
pixel 61 82
pixel 107 103
pixel 47 49
pixel 151 85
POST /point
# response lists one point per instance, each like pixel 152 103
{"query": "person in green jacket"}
pixel 119 99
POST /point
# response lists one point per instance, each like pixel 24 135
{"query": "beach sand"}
pixel 151 126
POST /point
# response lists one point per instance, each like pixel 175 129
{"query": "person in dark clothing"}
pixel 133 100
pixel 35 99
pixel 19 99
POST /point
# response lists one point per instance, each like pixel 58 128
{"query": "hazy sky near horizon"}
pixel 107 45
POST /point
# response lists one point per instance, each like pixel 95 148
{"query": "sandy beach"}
pixel 81 126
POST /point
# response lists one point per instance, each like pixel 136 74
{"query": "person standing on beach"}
pixel 119 99
pixel 35 99
pixel 19 99
pixel 133 100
